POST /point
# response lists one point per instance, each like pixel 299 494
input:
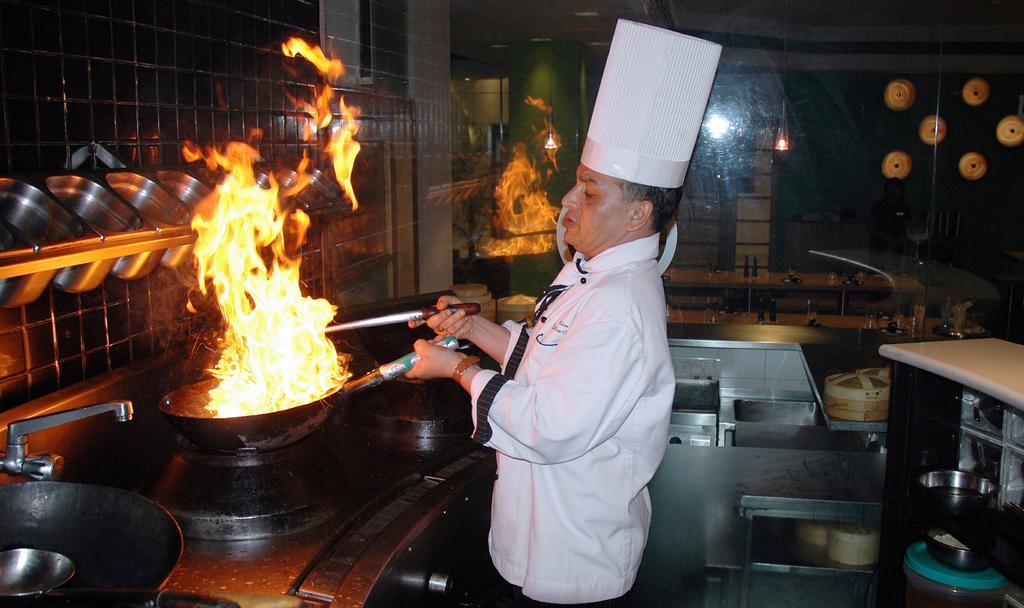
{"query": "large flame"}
pixel 524 216
pixel 275 352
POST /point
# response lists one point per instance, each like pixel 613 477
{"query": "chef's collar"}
pixel 638 250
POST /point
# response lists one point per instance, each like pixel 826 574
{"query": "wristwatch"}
pixel 463 365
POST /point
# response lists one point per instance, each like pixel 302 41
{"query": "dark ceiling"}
pixel 481 29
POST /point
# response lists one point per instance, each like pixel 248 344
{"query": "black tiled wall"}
pixel 139 77
pixel 142 76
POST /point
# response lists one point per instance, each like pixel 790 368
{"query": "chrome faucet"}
pixel 50 466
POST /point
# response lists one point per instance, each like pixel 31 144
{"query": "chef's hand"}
pixel 449 321
pixel 435 361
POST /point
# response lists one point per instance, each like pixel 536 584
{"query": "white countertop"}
pixel 994 367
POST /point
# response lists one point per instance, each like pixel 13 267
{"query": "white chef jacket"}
pixel 580 430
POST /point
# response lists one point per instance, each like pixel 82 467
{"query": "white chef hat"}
pixel 650 105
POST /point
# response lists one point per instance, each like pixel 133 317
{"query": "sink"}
pixel 797 413
pixel 115 538
pixel 693 394
pixel 790 425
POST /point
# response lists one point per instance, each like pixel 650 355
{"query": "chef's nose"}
pixel 571 198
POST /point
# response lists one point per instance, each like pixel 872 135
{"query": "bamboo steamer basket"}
pixel 467 290
pixel 860 396
pixel 811 541
pixel 852 544
pixel 515 308
pixel 477 293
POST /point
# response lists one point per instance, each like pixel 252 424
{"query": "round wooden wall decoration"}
pixel 975 91
pixel 973 166
pixel 899 94
pixel 1010 131
pixel 932 129
pixel 896 164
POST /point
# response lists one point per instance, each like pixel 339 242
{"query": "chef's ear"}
pixel 638 215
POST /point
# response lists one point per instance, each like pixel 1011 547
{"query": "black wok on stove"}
pixel 185 408
pixel 115 538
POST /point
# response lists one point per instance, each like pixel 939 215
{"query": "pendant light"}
pixel 782 137
pixel 550 143
pixel 782 142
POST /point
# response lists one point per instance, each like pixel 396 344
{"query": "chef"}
pixel 579 414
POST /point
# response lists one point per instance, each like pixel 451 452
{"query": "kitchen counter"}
pixel 825 350
pixel 989 365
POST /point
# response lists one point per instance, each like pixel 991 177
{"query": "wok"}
pixel 115 538
pixel 185 409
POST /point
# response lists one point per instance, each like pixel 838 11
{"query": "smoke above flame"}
pixel 274 352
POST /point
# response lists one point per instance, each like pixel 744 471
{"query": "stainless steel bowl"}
pixel 35 214
pixel 17 291
pixel 149 198
pixel 155 204
pixel 328 190
pixel 955 493
pixel 96 205
pixel 104 211
pixel 209 177
pixel 958 557
pixel 262 177
pixel 31 219
pixel 33 571
pixel 186 188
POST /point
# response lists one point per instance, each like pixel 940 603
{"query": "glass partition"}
pixel 876 129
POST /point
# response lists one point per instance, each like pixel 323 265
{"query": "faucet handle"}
pixel 44 467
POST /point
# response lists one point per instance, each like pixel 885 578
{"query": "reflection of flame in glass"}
pixel 523 212
pixel 522 209
pixel 275 353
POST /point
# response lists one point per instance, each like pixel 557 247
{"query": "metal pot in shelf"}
pixel 73 229
pixel 109 215
pixel 155 204
pixel 33 219
pixel 185 187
